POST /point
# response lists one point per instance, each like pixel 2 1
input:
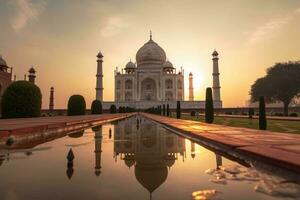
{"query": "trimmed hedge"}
pixel 262 114
pixel 96 107
pixel 178 110
pixel 113 109
pixel 209 106
pixel 76 105
pixel 21 99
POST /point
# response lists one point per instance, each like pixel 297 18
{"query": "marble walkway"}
pixel 23 126
pixel 279 149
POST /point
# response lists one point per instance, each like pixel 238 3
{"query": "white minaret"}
pixel 191 89
pixel 216 81
pixel 99 82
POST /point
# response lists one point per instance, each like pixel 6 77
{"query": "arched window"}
pixel 169 96
pixel 118 84
pixel 179 84
pixel 128 84
pixel 169 84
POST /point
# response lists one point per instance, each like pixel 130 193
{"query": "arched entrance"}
pixel 148 92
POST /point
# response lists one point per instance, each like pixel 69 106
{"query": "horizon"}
pixel 62 45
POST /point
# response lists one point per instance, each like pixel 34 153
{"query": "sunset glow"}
pixel 61 39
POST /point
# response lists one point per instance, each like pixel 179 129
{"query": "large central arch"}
pixel 148 88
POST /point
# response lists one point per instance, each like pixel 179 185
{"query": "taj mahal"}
pixel 153 81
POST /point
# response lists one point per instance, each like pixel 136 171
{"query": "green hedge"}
pixel 76 105
pixel 113 109
pixel 21 99
pixel 209 106
pixel 96 107
pixel 262 114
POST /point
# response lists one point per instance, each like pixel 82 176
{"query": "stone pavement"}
pixel 280 149
pixel 21 126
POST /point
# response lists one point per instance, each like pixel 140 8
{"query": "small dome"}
pixel 150 52
pixel 215 53
pixel 31 70
pixel 168 64
pixel 99 55
pixel 3 62
pixel 130 65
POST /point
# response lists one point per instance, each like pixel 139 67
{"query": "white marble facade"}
pixel 152 78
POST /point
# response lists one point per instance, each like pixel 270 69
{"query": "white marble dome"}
pixel 130 65
pixel 168 64
pixel 150 52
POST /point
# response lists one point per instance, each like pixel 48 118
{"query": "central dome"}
pixel 150 52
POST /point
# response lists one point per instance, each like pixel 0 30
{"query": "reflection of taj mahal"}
pixel 150 152
pixel 153 80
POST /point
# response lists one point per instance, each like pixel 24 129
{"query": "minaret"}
pixel 51 102
pixel 31 76
pixel 191 89
pixel 99 82
pixel 216 82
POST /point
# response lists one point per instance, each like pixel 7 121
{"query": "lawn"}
pixel 273 125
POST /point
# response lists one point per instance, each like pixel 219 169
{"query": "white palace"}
pixel 153 80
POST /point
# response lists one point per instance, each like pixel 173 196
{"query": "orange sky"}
pixel 61 38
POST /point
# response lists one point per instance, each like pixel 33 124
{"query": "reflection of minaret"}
pixel 216 81
pixel 51 103
pixel 98 149
pixel 218 161
pixel 70 158
pixel 191 89
pixel 193 154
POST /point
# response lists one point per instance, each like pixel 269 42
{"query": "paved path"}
pixel 22 126
pixel 278 149
pixel 254 117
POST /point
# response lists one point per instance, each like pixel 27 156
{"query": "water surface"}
pixel 131 159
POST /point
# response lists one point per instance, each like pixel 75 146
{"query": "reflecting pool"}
pixel 130 159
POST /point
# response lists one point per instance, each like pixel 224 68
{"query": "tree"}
pixel 96 107
pixel 281 84
pixel 113 109
pixel 262 114
pixel 168 110
pixel 21 99
pixel 76 105
pixel 209 106
pixel 178 110
pixel 164 110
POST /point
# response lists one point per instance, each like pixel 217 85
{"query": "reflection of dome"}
pixel 129 160
pixel 170 160
pixel 130 65
pixel 150 52
pixel 2 62
pixel 76 134
pixel 151 177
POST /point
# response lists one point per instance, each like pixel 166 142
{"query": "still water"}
pixel 130 159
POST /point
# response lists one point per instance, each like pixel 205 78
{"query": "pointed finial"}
pixel 150 35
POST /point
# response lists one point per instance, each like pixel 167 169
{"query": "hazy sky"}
pixel 61 39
